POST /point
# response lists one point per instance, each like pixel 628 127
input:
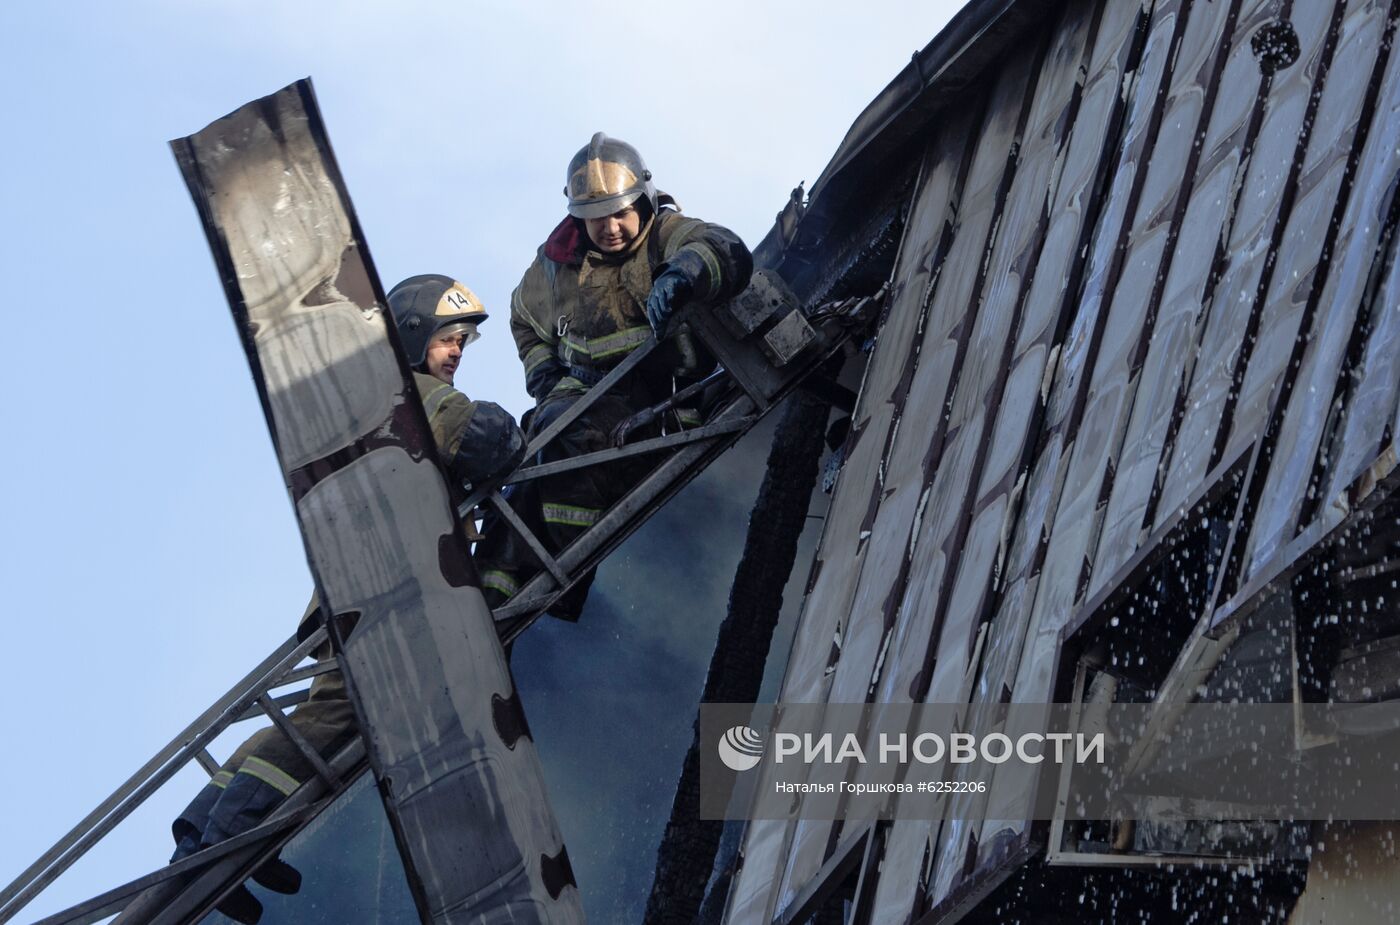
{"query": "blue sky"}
pixel 148 554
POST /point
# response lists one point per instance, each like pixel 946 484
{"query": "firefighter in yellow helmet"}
pixel 437 317
pixel 607 279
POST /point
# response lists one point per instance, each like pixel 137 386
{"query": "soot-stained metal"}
pixel 445 733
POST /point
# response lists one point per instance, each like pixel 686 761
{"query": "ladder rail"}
pixel 299 741
pixel 182 749
pixel 694 450
pixel 640 448
pixel 196 898
pixel 512 519
pixel 537 594
pixel 115 899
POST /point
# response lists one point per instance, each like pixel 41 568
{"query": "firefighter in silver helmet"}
pixel 436 317
pixel 607 279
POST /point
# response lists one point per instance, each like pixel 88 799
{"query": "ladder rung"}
pixel 104 905
pixel 283 702
pixel 207 762
pixel 290 730
pixel 325 666
pixel 590 397
pixel 550 563
pixel 655 444
pixel 522 609
pixel 568 417
pixel 151 776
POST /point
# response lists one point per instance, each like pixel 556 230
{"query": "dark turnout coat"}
pixel 579 309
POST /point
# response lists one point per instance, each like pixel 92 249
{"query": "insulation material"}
pixel 908 848
pixel 752 890
pixel 1007 798
pixel 1171 350
pixel 1354 253
pixel 1371 412
pixel 1011 347
pixel 900 505
pixel 1022 396
pixel 815 647
pixel 822 628
pixel 917 440
pixel 953 531
pixel 1091 150
pixel 1188 107
pixel 907 840
pixel 1116 314
pixel 1132 314
pixel 977 391
pixel 1263 206
pixel 1319 186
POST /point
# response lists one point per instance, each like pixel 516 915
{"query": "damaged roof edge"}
pixel 933 78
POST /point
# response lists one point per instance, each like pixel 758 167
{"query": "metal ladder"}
pixel 247 699
pixel 766 347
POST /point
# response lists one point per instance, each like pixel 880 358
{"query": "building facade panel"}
pixel 1190 248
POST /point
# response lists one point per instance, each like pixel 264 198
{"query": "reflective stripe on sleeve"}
pixel 711 265
pixel 681 238
pixel 598 348
pixel 540 353
pixel 568 384
pixel 623 341
pixel 501 581
pixel 520 311
pixel 570 515
pixel 270 774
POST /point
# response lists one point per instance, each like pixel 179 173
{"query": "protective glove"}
pixel 491 445
pixel 668 293
pixel 683 275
